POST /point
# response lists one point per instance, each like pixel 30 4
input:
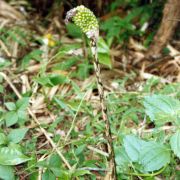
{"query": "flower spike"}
pixel 85 19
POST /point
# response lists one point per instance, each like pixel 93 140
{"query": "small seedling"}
pixel 86 20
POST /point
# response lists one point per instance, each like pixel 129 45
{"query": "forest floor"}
pixel 49 104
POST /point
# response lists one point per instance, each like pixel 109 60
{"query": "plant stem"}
pixel 107 134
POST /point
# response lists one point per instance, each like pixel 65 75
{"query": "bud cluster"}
pixel 85 19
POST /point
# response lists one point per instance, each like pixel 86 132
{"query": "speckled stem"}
pixel 108 134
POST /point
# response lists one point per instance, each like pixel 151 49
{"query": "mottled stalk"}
pixel 102 98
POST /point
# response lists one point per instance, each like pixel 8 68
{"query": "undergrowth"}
pixel 56 83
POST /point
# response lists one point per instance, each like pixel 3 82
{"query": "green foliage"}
pixel 16 112
pixel 3 139
pixel 16 135
pixel 154 156
pixel 14 34
pixel 52 80
pixel 150 155
pixel 121 29
pixel 6 173
pixel 35 55
pixel 175 143
pixel 118 28
pixel 12 155
pixel 104 53
pixel 122 159
pixel 133 146
pixel 162 109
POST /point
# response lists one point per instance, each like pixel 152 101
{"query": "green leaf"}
pixel 22 114
pixel 66 64
pixel 12 155
pixel 63 174
pixel 162 109
pixel 175 143
pixel 10 106
pixel 48 175
pixel 83 70
pixel 6 173
pixel 11 118
pixel 121 157
pixel 154 156
pixel 16 135
pixel 34 55
pixel 104 53
pixel 3 139
pixel 54 165
pixel 102 46
pixel 80 149
pixel 132 145
pixel 52 80
pixel 22 103
pixel 105 59
pixel 79 172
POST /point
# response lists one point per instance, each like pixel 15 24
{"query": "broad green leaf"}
pixel 59 172
pixel 12 155
pixel 16 135
pixel 11 118
pixel 22 103
pixel 154 156
pixel 175 143
pixel 121 157
pixel 54 165
pixel 79 172
pixel 162 109
pixel 10 106
pixel 3 139
pixel 132 145
pixel 6 173
pixel 22 114
pixel 48 175
pixel 54 161
pixel 105 59
pixel 102 46
pixel 104 53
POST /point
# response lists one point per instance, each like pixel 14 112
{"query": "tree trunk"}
pixel 171 17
